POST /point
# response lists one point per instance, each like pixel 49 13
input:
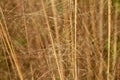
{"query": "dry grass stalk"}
pixel 109 38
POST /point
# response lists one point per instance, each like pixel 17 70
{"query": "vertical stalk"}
pixel 55 20
pixel 72 38
pixel 115 42
pixel 9 45
pixel 101 38
pixel 76 75
pixel 52 41
pixel 27 35
pixel 57 39
pixel 109 38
